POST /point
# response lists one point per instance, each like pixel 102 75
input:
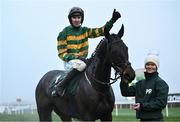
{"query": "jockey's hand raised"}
pixel 116 15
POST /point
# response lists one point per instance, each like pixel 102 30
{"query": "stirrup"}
pixel 61 92
pixel 54 93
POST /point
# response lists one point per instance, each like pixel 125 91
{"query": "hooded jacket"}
pixel 151 93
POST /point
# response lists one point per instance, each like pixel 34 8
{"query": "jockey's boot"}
pixel 60 89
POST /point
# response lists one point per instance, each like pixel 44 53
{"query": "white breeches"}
pixel 76 64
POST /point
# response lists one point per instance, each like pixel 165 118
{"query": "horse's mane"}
pixel 97 50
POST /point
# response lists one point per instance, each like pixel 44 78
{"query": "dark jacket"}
pixel 151 93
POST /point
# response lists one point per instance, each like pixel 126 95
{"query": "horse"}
pixel 94 97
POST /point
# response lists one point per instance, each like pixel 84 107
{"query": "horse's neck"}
pixel 100 67
pixel 103 70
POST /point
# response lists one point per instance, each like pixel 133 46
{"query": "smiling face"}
pixel 150 67
pixel 76 21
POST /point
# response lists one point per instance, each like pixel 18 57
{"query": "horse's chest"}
pixel 104 107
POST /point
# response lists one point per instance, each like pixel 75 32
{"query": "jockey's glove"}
pixel 116 15
pixel 78 64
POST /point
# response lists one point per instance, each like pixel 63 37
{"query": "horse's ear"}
pixel 106 33
pixel 121 31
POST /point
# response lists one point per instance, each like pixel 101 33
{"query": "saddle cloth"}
pixel 70 88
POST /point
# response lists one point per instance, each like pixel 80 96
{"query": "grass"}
pixel 124 115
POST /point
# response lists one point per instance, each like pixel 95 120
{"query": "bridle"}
pixel 118 71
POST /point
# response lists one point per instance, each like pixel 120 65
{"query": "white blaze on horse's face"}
pixel 76 21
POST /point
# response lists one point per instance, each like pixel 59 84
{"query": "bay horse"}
pixel 94 98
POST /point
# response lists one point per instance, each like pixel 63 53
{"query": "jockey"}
pixel 73 44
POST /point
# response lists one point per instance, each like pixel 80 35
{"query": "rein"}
pixel 101 82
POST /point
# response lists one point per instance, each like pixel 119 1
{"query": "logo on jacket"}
pixel 148 91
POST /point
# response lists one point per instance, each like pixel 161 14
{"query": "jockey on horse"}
pixel 73 45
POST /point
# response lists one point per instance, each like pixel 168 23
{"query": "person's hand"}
pixel 116 15
pixel 78 64
pixel 136 106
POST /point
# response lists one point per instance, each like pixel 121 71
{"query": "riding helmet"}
pixel 76 11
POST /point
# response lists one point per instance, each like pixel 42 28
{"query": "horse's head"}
pixel 118 53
